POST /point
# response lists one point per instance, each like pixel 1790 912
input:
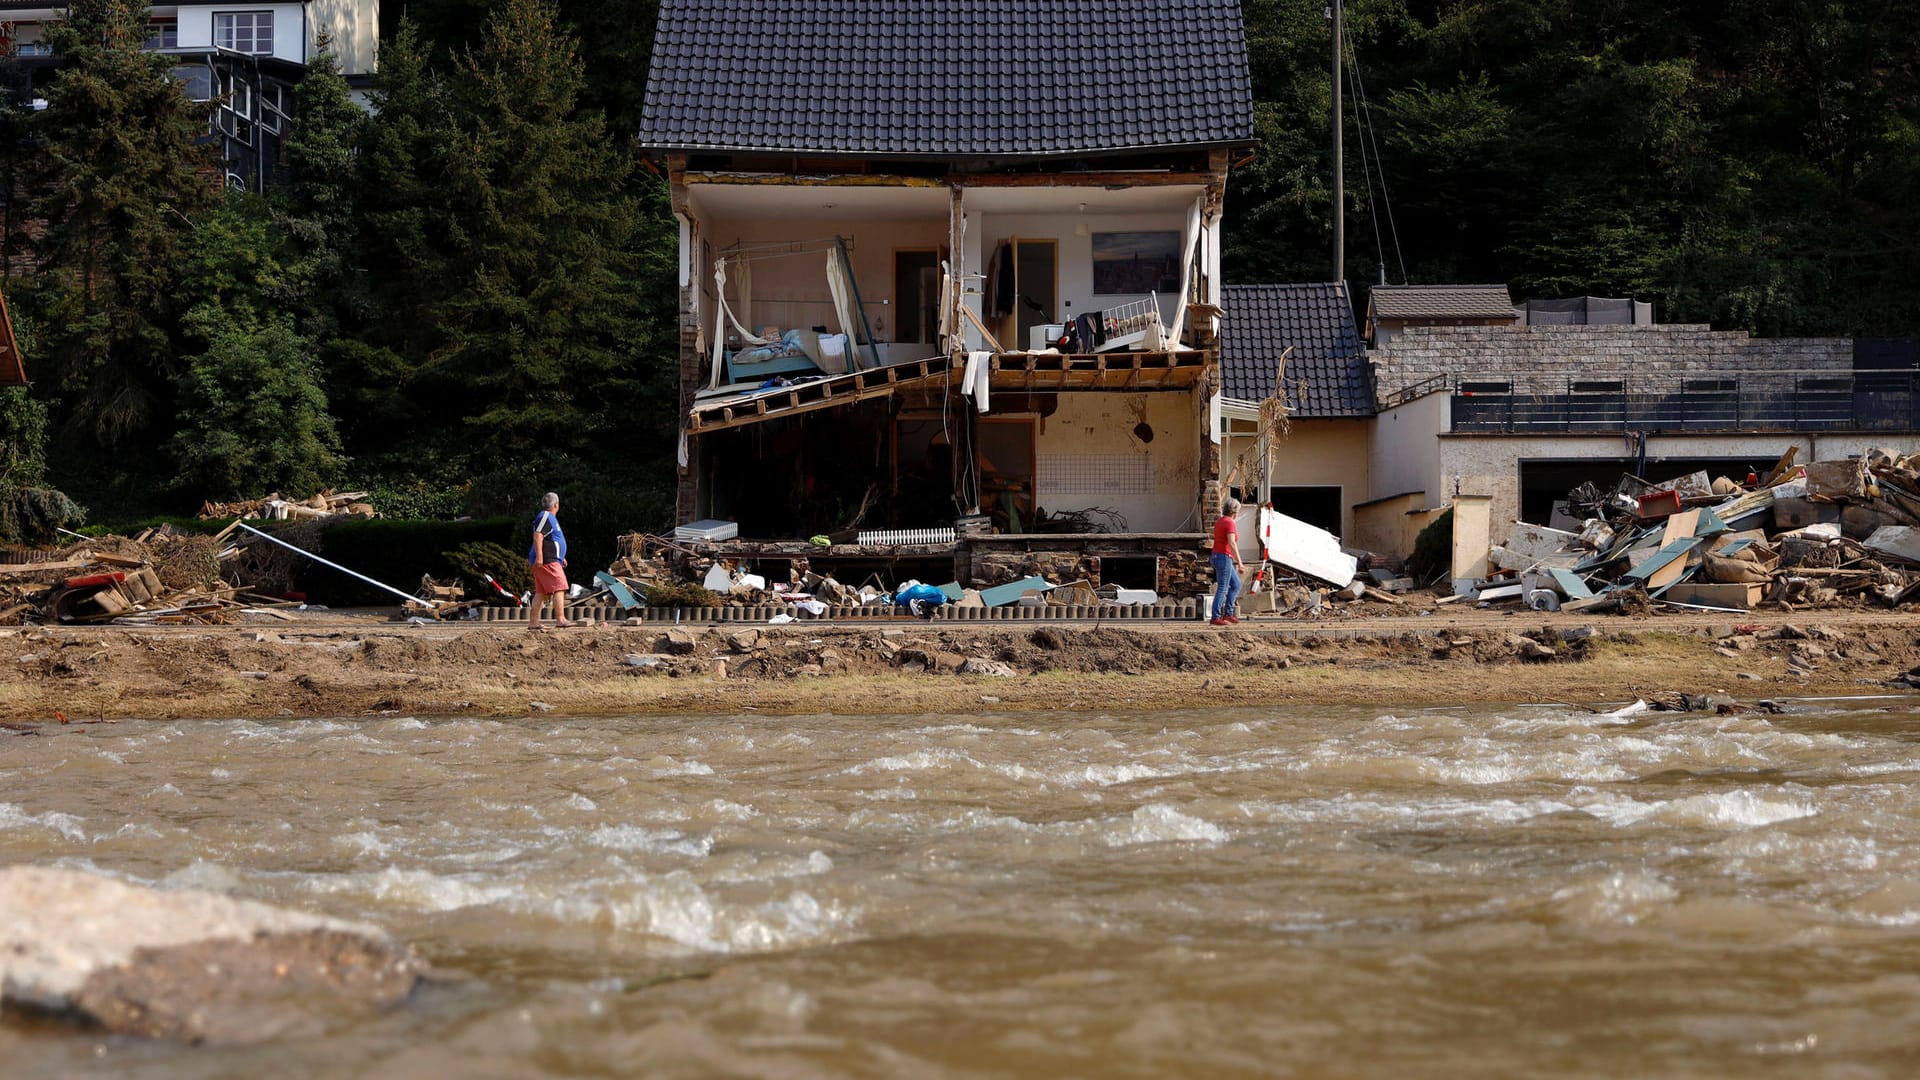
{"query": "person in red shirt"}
pixel 1227 566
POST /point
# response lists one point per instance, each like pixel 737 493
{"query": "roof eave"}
pixel 896 155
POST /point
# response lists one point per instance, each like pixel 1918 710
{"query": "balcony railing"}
pixel 1792 400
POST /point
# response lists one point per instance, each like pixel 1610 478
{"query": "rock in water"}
pixel 187 965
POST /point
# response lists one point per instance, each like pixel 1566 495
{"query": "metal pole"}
pixel 324 562
pixel 1339 165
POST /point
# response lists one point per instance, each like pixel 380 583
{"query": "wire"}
pixel 1365 121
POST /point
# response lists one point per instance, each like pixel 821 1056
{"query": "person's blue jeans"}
pixel 1226 585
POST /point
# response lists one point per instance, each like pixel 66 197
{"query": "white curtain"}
pixel 1187 246
pixel 723 315
pixel 843 308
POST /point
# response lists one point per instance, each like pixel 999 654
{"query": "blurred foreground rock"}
pixel 187 965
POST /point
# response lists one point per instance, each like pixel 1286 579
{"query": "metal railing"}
pixel 1794 400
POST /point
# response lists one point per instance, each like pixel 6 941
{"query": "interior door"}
pixel 916 295
pixel 1036 284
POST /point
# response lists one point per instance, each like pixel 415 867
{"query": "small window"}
pixel 248 32
pixel 1470 388
pixel 1710 386
pixel 1613 386
pixel 276 107
pixel 162 35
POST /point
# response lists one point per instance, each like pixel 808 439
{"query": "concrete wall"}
pixel 1540 359
pixel 353 26
pixel 1091 441
pixel 1326 453
pixel 1401 457
pixel 1490 464
pixel 1390 526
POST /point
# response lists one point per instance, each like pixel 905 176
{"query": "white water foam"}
pixel 1158 823
pixel 13 816
pixel 652 841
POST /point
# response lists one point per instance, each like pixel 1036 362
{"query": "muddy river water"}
pixel 1306 891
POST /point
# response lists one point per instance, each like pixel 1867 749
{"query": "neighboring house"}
pixel 243 60
pixel 907 203
pixel 1393 308
pixel 1522 414
pixel 1317 471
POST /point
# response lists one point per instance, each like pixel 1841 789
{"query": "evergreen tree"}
pixel 253 417
pixel 539 334
pixel 319 210
pixel 124 182
pixel 402 255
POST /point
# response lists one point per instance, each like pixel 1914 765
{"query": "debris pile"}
pixel 1815 535
pixel 163 575
pixel 654 571
pixel 275 507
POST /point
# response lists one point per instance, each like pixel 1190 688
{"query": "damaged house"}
pixel 948 299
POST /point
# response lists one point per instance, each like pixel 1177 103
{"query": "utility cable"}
pixel 1365 120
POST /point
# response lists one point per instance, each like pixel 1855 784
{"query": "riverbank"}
pixel 341 665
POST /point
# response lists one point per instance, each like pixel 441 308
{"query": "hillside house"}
pixel 242 60
pixel 934 275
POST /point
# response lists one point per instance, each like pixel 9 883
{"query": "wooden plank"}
pixel 11 569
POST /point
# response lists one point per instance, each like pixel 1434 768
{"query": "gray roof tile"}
pixel 1327 375
pixel 1440 302
pixel 947 78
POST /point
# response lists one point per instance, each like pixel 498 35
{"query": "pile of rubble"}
pixel 1814 535
pixel 274 507
pixel 160 576
pixel 653 571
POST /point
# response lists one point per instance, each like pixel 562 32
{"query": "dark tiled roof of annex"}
pixel 1327 374
pixel 943 79
pixel 1440 302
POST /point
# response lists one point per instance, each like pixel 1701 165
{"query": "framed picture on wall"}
pixel 1136 262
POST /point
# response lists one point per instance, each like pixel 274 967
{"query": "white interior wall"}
pixel 1075 253
pixel 1097 432
pixel 792 291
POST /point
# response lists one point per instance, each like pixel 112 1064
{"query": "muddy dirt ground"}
pixel 339 664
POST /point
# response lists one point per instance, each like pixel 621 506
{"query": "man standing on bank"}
pixel 548 557
pixel 1227 566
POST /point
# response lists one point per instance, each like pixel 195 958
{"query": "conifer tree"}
pixel 124 183
pixel 253 416
pixel 540 332
pixel 405 229
pixel 318 210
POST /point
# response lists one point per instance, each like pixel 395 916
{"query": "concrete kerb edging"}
pixel 764 612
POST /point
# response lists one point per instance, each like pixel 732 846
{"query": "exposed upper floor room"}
pixel 288 33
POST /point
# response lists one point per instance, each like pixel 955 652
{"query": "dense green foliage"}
pixel 468 297
pixel 1754 164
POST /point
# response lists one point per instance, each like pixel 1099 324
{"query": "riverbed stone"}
pixel 679 641
pixel 193 966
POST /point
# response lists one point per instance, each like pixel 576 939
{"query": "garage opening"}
pixel 1543 483
pixel 1320 507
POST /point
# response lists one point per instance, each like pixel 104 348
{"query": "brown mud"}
pixel 340 665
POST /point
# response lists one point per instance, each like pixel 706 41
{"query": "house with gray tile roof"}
pixel 949 258
pixel 1297 344
pixel 1393 308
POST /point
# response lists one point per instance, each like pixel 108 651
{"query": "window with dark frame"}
pixel 162 35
